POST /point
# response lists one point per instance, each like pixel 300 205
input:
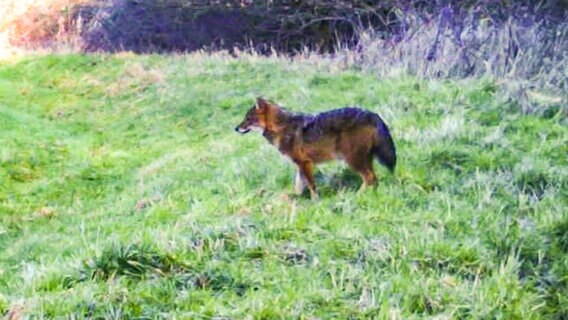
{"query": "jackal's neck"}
pixel 278 120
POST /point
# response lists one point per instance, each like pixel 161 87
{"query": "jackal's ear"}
pixel 261 104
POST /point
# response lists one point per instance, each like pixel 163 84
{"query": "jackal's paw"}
pixel 314 196
pixel 299 186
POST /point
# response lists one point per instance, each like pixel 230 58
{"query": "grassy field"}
pixel 125 193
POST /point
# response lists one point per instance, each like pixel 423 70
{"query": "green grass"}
pixel 125 193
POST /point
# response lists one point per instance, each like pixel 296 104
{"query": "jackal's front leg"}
pixel 300 183
pixel 306 169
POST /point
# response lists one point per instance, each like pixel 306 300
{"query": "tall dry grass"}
pixel 527 57
pixel 33 24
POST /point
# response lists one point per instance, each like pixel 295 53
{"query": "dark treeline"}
pixel 286 26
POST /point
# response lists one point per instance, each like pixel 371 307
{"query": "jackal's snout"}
pixel 241 130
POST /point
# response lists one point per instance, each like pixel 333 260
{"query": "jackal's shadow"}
pixel 333 181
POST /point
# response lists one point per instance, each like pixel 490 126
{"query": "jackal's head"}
pixel 257 117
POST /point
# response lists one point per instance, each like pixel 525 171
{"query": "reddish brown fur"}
pixel 352 134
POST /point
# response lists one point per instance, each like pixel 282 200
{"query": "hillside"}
pixel 126 193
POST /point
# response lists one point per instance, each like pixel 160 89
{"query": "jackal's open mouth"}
pixel 241 131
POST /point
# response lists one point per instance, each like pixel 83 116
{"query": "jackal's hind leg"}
pixel 369 179
pixel 362 163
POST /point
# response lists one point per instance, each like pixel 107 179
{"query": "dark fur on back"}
pixel 334 121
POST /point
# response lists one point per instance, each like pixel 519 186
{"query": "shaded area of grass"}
pixel 126 194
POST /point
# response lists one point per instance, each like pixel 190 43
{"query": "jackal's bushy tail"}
pixel 384 147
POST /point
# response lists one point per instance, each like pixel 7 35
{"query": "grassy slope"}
pixel 125 192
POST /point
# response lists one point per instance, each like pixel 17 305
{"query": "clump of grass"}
pixel 294 255
pixel 135 261
pixel 559 234
pixel 3 304
pixel 533 183
pixel 551 279
pixel 214 279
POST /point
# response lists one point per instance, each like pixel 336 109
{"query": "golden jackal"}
pixel 352 134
